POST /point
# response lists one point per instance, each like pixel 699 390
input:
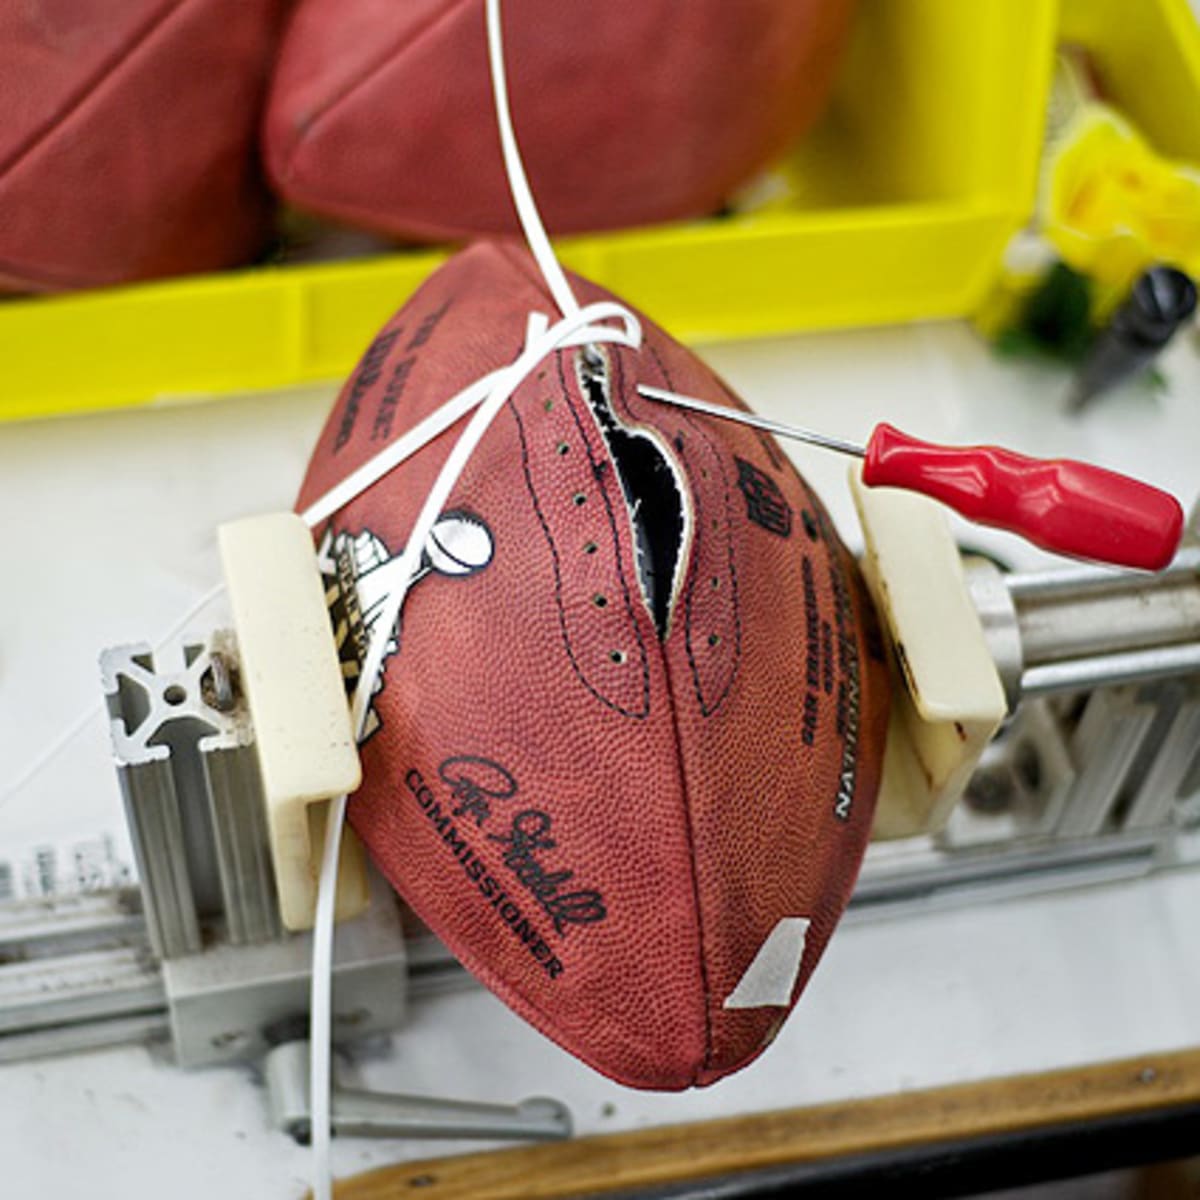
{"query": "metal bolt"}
pixel 218 686
pixel 990 791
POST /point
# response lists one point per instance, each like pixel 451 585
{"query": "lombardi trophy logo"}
pixel 360 572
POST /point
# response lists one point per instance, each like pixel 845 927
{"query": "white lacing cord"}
pixel 514 168
pixel 486 396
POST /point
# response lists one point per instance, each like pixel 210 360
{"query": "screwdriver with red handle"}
pixel 1065 506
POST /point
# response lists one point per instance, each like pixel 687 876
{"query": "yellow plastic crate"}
pixel 922 168
pixel 1148 57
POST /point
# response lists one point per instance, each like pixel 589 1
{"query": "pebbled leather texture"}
pixel 128 148
pixel 563 460
pixel 604 824
pixel 626 112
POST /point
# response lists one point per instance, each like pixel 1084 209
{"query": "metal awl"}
pixel 1060 504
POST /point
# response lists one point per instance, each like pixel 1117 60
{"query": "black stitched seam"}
pixel 691 586
pixel 617 395
pixel 702 961
pixel 733 577
pixel 612 524
pixel 707 709
pixel 558 599
pixel 702 966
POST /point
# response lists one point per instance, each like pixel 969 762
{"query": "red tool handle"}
pixel 1061 505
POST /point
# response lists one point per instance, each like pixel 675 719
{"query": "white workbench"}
pixel 107 531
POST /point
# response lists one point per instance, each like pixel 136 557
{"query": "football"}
pixel 627 112
pixel 624 752
pixel 129 144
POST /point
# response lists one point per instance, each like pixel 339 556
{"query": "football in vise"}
pixel 624 751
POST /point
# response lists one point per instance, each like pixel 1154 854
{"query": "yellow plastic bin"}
pixel 1147 56
pixel 908 191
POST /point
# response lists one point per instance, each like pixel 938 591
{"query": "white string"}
pixel 579 329
pixel 486 396
pixel 377 467
pixel 320 1018
pixel 518 184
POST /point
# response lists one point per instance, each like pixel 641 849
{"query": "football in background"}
pixel 626 111
pixel 625 749
pixel 128 148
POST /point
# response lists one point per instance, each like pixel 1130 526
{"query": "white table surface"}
pixel 107 527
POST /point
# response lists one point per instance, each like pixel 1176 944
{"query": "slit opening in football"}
pixel 653 498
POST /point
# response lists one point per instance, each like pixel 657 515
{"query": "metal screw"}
pixel 990 791
pixel 218 684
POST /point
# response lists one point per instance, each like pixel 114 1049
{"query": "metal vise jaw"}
pixel 227 755
pixel 206 839
pixel 1062 708
pixel 184 750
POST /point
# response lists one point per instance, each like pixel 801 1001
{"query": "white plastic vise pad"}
pixel 293 684
pixel 947 698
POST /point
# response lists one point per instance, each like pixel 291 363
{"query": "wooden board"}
pixel 674 1153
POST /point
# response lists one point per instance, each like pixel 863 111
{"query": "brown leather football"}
pixel 625 749
pixel 128 146
pixel 627 111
